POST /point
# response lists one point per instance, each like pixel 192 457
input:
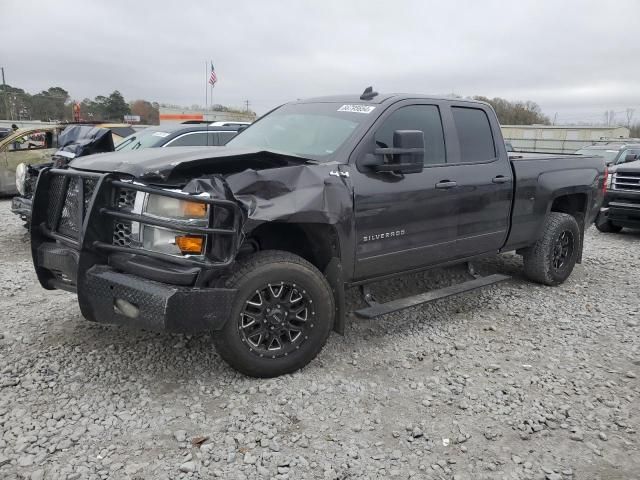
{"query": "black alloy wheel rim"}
pixel 276 320
pixel 562 250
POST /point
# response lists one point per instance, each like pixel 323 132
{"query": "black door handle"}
pixel 445 184
pixel 500 179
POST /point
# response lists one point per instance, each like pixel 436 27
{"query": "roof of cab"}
pixel 383 98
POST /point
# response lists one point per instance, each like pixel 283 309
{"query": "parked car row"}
pixel 613 153
pixel 621 205
pixel 24 169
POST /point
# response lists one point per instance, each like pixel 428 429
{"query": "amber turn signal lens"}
pixel 190 244
pixel 194 209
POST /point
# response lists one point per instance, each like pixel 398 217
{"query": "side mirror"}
pixel 406 155
pixel 631 157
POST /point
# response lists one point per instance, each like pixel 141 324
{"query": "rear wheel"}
pixel 282 315
pixel 608 227
pixel 551 259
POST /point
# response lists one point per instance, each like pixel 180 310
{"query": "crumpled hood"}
pixel 161 165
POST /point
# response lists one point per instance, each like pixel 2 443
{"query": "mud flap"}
pixel 334 276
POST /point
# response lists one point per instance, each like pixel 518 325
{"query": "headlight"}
pixel 174 242
pixel 168 207
pixel 21 176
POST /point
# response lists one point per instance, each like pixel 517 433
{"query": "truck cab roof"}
pixel 383 98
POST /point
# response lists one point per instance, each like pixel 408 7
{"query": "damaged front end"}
pixel 94 234
pixel 146 254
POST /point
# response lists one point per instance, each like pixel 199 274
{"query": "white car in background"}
pixel 229 124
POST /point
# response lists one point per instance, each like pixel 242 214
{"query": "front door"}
pixel 404 221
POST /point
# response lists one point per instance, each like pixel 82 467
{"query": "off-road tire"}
pixel 254 273
pixel 539 258
pixel 608 227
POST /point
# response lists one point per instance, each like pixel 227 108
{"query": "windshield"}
pixel 312 130
pixel 609 155
pixel 150 137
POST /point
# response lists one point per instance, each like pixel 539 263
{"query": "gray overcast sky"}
pixel 577 58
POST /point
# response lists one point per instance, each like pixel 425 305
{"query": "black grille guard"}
pixel 88 218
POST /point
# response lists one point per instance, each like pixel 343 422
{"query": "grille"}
pixel 56 195
pixel 65 198
pixel 122 234
pixel 627 181
pixel 126 199
pixel 122 229
pixel 70 219
pixel 89 188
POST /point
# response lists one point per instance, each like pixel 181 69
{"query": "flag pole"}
pixel 211 86
pixel 206 89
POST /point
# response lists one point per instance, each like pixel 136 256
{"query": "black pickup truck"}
pixel 257 241
pixel 621 207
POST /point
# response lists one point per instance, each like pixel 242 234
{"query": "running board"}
pixel 376 309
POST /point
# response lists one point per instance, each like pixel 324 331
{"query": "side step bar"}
pixel 376 309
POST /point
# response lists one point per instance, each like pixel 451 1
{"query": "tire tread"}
pixel 245 268
pixel 536 261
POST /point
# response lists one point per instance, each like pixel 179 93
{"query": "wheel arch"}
pixel 318 243
pixel 576 205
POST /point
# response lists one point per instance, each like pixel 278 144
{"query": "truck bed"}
pixel 541 177
pixel 516 156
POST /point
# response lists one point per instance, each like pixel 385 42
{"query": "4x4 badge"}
pixel 338 173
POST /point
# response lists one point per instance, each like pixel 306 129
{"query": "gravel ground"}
pixel 514 381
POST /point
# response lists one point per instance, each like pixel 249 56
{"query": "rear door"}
pixel 404 221
pixel 484 180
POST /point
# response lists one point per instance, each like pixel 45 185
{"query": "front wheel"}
pixel 282 315
pixel 551 259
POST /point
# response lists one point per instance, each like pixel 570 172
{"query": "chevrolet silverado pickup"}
pixel 257 241
pixel 621 207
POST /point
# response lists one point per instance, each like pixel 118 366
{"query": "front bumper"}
pixel 111 297
pixel 151 305
pixel 621 211
pixel 21 206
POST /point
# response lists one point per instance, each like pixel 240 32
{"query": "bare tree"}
pixel 630 112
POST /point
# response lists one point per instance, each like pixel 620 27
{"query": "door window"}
pixel 474 135
pixel 36 140
pixel 198 139
pixel 224 137
pixel 631 151
pixel 425 118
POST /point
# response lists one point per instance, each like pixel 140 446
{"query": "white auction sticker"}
pixel 161 134
pixel 356 108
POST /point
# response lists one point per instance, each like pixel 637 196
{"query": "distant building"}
pixel 559 139
pixel 169 115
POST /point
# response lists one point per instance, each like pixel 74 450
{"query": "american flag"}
pixel 213 78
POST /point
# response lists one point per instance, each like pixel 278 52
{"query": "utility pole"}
pixel 555 118
pixel 246 102
pixel 4 94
